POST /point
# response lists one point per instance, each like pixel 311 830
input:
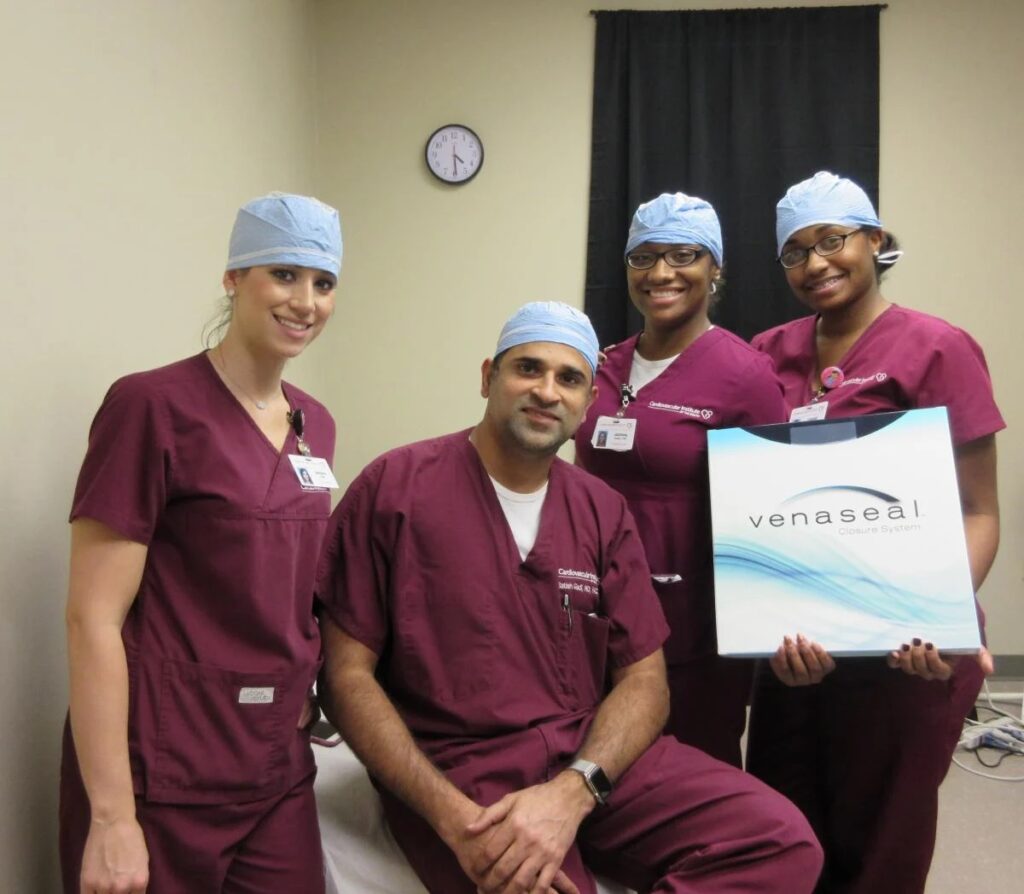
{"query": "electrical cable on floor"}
pixel 1002 756
pixel 1003 733
pixel 974 772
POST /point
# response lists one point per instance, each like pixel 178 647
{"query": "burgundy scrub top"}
pixel 904 360
pixel 221 640
pixel 719 381
pixel 421 567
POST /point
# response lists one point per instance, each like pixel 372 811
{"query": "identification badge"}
pixel 313 472
pixel 809 411
pixel 614 433
pixel 256 695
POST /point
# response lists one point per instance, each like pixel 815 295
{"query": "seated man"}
pixel 493 655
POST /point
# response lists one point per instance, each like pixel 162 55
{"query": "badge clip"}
pixel 297 420
pixel 627 396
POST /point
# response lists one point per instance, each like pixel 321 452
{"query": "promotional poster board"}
pixel 846 530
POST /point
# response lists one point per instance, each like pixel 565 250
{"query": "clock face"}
pixel 454 153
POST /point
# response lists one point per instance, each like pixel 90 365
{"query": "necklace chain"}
pixel 259 404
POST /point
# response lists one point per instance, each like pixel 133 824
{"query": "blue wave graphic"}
pixel 834 578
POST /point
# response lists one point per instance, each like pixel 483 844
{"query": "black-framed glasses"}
pixel 674 257
pixel 829 245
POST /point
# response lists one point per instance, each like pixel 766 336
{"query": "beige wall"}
pixel 132 129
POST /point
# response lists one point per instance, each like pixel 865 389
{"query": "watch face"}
pixel 601 783
pixel 454 153
pixel 596 779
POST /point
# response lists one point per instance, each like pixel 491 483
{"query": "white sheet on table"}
pixel 360 855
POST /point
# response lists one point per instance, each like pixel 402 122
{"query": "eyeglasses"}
pixel 830 245
pixel 674 257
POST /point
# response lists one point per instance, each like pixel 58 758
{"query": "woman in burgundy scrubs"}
pixel 646 435
pixel 191 638
pixel 861 745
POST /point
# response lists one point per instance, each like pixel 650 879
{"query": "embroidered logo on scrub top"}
pixel 579 591
pixel 860 380
pixel 692 412
pixel 580 581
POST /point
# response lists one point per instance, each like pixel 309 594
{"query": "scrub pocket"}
pixel 220 733
pixel 689 610
pixel 588 644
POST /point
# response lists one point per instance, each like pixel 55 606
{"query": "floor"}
pixel 980 846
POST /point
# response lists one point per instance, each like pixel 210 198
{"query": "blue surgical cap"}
pixel 550 321
pixel 285 229
pixel 823 199
pixel 673 218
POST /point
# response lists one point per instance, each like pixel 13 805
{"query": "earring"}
pixel 231 292
pixel 875 255
pixel 714 287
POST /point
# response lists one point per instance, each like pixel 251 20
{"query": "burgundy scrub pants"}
pixel 862 755
pixel 708 700
pixel 261 847
pixel 678 821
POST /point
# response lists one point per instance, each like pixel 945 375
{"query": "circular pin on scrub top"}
pixel 832 377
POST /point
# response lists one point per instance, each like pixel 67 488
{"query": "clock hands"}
pixel 454 136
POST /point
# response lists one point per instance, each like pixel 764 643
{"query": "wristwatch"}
pixel 595 779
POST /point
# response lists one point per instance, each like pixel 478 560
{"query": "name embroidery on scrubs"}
pixel 584 581
pixel 580 591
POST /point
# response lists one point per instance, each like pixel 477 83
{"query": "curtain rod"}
pixel 594 12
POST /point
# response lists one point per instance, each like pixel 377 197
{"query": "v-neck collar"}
pixel 493 504
pixel 685 358
pixel 239 408
pixel 844 361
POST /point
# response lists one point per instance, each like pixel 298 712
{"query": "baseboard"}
pixel 1009 667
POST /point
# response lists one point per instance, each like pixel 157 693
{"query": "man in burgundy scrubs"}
pixel 493 655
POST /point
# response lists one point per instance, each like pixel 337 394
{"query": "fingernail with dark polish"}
pixel 929 646
pixel 917 642
pixel 905 647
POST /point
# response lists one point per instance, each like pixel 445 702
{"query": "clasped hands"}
pixel 517 845
pixel 802 662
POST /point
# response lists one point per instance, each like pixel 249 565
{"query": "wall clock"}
pixel 454 154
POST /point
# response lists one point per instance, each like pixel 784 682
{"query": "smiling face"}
pixel 278 309
pixel 838 281
pixel 537 395
pixel 671 297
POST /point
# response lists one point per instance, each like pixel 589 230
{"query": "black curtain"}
pixel 733 106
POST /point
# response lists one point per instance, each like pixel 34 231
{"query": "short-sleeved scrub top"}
pixel 221 640
pixel 719 381
pixel 473 641
pixel 904 360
